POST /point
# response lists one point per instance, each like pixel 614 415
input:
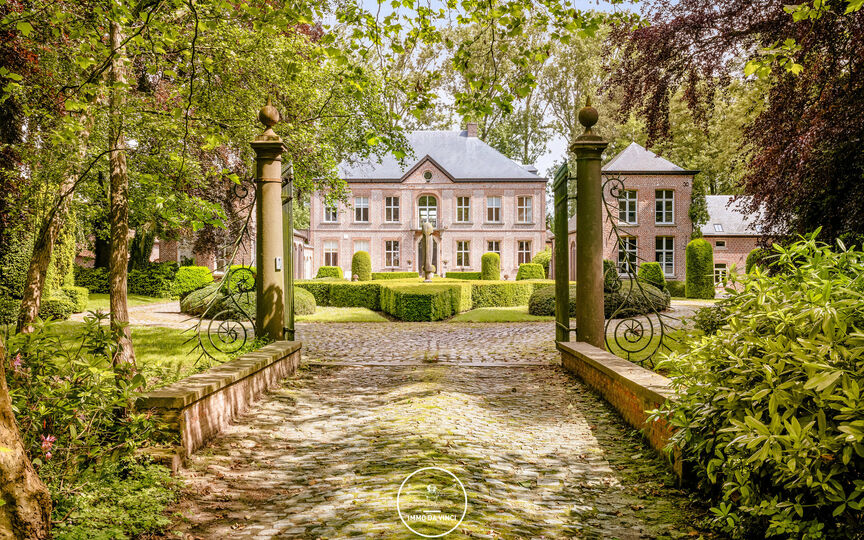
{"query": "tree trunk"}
pixel 101 242
pixel 25 503
pixel 124 357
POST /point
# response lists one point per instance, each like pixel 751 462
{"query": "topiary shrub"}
pixel 699 281
pixel 241 278
pixel 421 302
pixel 361 266
pixel 621 303
pixel 676 288
pixel 500 293
pixel 330 272
pixel 78 296
pixel 530 271
pixel 463 275
pixel 57 307
pixel 394 275
pixel 611 279
pixel 239 306
pixel 490 267
pixel 196 302
pixel 9 309
pixel 304 302
pixel 652 274
pixel 94 280
pixel 544 259
pixel 190 278
pixel 355 294
pixel 757 257
pixel 768 411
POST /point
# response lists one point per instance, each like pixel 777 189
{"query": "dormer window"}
pixel 718 227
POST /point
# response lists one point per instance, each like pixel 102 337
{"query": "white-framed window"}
pixel 331 253
pixel 720 244
pixel 391 209
pixel 627 207
pixel 331 215
pixel 361 209
pixel 391 253
pixel 362 245
pixel 493 246
pixel 721 272
pixel 463 253
pixel 523 251
pixel 664 207
pixel 463 209
pixel 524 209
pixel 627 254
pixel 664 253
pixel 493 209
pixel 427 207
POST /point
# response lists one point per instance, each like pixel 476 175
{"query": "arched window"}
pixel 428 208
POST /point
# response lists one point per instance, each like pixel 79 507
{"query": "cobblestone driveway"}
pixel 539 454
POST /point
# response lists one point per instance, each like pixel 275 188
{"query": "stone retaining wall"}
pixel 630 388
pixel 198 407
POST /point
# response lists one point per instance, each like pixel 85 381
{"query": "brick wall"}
pixel 734 252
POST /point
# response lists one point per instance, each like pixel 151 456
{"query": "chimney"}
pixel 471 129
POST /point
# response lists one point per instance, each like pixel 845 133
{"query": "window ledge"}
pixel 493 223
pixel 666 224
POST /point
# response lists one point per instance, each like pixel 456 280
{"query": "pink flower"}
pixel 47 444
pixel 16 362
pixel 47 455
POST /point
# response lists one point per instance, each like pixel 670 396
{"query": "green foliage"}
pixel 59 307
pixel 500 293
pixel 78 296
pixel 677 289
pixel 9 309
pixel 140 248
pixel 611 279
pixel 125 501
pixel 14 262
pixel 394 275
pixel 361 266
pixel 320 290
pixel 700 269
pixel 154 280
pixel 304 302
pixel 330 272
pixel 60 271
pixel 543 258
pixel 530 271
pixel 755 258
pixel 652 274
pixel 196 302
pixel 490 267
pixel 94 280
pixel 421 302
pixel 189 279
pixel 628 301
pixel 463 275
pixel 709 319
pixel 241 279
pixel 768 411
pixel 355 294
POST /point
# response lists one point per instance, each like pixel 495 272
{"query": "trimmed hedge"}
pixel 530 271
pixel 330 272
pixel 9 308
pixel 542 302
pixel 238 273
pixel 320 290
pixel 57 307
pixel 490 267
pixel 611 279
pixel 361 266
pixel 652 274
pixel 394 275
pixel 304 302
pixel 544 259
pixel 700 269
pixel 500 293
pixel 355 294
pixel 195 302
pixel 94 280
pixel 190 278
pixel 676 288
pixel 755 258
pixel 78 296
pixel 420 302
pixel 463 275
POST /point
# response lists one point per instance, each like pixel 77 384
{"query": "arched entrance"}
pixel 421 255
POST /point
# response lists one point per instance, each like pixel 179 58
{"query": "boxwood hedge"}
pixel 530 271
pixel 421 302
pixel 652 274
pixel 490 267
pixel 462 275
pixel 361 266
pixel 330 272
pixel 700 269
pixel 394 275
pixel 57 307
pixel 190 278
pixel 620 303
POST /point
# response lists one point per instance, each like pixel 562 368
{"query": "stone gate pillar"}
pixel 288 249
pixel 269 293
pixel 586 152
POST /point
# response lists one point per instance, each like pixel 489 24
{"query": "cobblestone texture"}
pixel 540 455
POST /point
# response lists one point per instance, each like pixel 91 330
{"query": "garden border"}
pixel 630 389
pixel 197 408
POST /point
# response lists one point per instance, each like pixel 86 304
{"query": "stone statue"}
pixel 428 269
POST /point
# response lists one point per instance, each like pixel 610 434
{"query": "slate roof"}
pixel 635 159
pixel 731 219
pixel 463 158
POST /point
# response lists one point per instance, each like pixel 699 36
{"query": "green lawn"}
pixel 100 301
pixel 499 314
pixel 342 314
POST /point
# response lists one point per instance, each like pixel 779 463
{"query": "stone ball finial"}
pixel 269 115
pixel 588 115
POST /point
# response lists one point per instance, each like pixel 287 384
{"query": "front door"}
pixel 421 256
